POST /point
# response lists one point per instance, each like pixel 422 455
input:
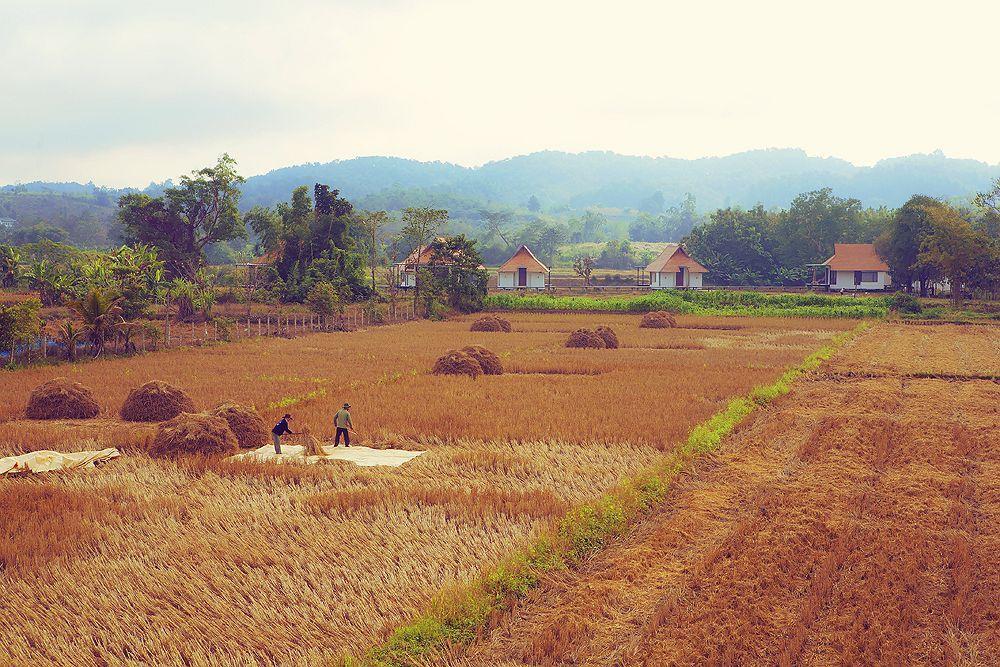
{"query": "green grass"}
pixel 704 302
pixel 456 614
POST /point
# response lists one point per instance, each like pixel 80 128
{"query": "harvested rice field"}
pixel 200 561
pixel 855 521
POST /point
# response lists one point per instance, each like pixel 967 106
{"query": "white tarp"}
pixel 362 456
pixel 46 460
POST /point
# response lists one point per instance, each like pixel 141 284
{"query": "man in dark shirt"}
pixel 280 429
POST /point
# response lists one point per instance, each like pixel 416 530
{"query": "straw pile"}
pixel 193 434
pixel 313 447
pixel 155 402
pixel 487 359
pixel 491 323
pixel 658 319
pixel 609 336
pixel 585 338
pixel 457 362
pixel 244 422
pixel 60 398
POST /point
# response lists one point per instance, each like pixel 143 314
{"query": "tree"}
pixel 455 275
pixel 900 245
pixel 41 231
pixel 373 224
pixel 496 224
pixel 989 202
pixel 19 324
pixel 955 249
pixel 814 222
pixel 11 269
pixel 735 246
pixel 323 299
pixel 267 226
pixel 584 267
pixel 102 317
pixel 533 204
pixel 203 209
pixel 420 225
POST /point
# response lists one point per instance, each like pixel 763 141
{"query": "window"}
pixel 833 277
pixel 869 276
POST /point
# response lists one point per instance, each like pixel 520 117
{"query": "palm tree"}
pixel 69 335
pixel 102 317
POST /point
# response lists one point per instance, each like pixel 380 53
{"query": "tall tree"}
pixel 203 209
pixel 736 247
pixel 374 224
pixel 496 224
pixel 420 225
pixel 900 245
pixel 533 204
pixel 955 249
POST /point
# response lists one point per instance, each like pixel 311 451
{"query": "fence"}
pixel 154 335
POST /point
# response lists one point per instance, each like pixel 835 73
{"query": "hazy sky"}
pixel 122 94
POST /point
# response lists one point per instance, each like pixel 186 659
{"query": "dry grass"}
pixel 143 560
pixel 854 522
pixel 59 398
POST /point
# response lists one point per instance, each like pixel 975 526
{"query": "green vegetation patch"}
pixel 704 302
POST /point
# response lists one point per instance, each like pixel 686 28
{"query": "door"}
pixel 857 278
pixel 680 277
pixel 522 277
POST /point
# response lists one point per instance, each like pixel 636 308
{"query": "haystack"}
pixel 487 359
pixel 658 319
pixel 60 398
pixel 585 338
pixel 313 447
pixel 155 402
pixel 491 323
pixel 244 422
pixel 457 362
pixel 193 434
pixel 609 336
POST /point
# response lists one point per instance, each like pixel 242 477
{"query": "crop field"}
pixel 202 561
pixel 854 521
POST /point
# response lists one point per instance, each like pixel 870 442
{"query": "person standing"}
pixel 280 429
pixel 342 420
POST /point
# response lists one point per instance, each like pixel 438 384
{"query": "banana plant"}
pixel 11 269
pixel 68 335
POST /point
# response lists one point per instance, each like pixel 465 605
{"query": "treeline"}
pixel 926 241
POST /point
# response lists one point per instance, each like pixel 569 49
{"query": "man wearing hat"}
pixel 342 420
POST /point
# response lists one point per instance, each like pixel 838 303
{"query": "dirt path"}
pixel 853 522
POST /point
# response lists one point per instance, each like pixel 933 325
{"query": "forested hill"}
pixel 600 179
pixel 562 184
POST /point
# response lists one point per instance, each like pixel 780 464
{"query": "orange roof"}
pixel 855 257
pixel 523 258
pixel 673 257
pixel 421 255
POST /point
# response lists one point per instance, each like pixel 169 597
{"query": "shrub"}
pixel 658 319
pixel 193 434
pixel 244 422
pixel 456 362
pixel 902 302
pixel 609 336
pixel 585 338
pixel 60 398
pixel 487 359
pixel 155 402
pixel 323 299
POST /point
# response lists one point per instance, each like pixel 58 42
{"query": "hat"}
pixel 347 405
pixel 287 416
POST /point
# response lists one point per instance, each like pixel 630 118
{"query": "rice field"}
pixel 201 561
pixel 854 521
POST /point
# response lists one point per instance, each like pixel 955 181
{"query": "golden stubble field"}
pixel 855 521
pixel 201 561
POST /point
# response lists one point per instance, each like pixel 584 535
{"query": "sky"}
pixel 119 93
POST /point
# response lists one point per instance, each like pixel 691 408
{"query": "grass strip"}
pixel 703 302
pixel 455 615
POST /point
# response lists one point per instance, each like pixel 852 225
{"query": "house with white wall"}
pixel 675 268
pixel 522 271
pixel 856 267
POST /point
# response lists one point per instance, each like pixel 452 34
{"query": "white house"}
pixel 522 271
pixel 406 270
pixel 856 267
pixel 7 223
pixel 675 268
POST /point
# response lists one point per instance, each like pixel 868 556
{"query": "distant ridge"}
pixel 575 181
